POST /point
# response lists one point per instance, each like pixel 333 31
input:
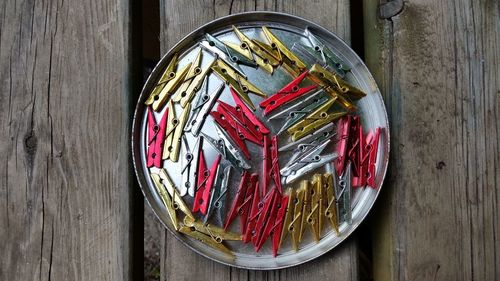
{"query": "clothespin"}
pixel 202 109
pixel 278 225
pixel 244 131
pixel 255 209
pixel 312 140
pixel 193 81
pixel 343 130
pixel 218 234
pixel 288 93
pixel 288 216
pixel 269 223
pixel 156 137
pixel 174 133
pixel 170 88
pixel 237 82
pixel 221 118
pixel 205 182
pixel 189 163
pixel 261 219
pixel 247 117
pixel 264 58
pixel 289 60
pixel 305 185
pixel 314 121
pixel 371 150
pixel 227 148
pixel 168 75
pixel 355 152
pixel 304 156
pixel 345 183
pixel 218 54
pixel 205 239
pixel 270 164
pixel 169 195
pixel 307 162
pixel 331 201
pixel 315 217
pixel 295 226
pixel 217 206
pixel 239 205
pixel 328 57
pixel 233 51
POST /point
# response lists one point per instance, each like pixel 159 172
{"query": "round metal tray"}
pixel 289 29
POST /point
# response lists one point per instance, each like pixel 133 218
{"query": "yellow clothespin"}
pixel 167 75
pixel 237 82
pixel 170 88
pixel 314 121
pixel 315 217
pixel 331 205
pixel 288 215
pixel 247 53
pixel 173 141
pixel 217 233
pixel 167 184
pixel 205 239
pixel 296 225
pixel 166 199
pixel 264 59
pixel 289 60
pixel 306 207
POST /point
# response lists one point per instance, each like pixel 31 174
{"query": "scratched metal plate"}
pixel 289 29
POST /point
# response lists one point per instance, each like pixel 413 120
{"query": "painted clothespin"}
pixel 329 58
pixel 264 56
pixel 174 132
pixel 254 212
pixel 286 94
pixel 156 137
pixel 204 183
pixel 233 51
pixel 169 89
pixel 167 75
pixel 270 164
pixel 331 210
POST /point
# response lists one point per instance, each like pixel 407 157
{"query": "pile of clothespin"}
pixel 316 116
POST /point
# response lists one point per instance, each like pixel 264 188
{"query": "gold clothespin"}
pixel 237 82
pixel 288 215
pixel 193 72
pixel 306 207
pixel 315 218
pixel 170 88
pixel 167 75
pixel 265 59
pixel 173 142
pixel 331 203
pixel 218 234
pixel 295 225
pixel 289 60
pixel 205 239
pixel 166 199
pixel 247 53
pixel 167 183
pixel 315 120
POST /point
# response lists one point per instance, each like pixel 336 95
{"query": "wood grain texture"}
pixel 178 18
pixel 437 63
pixel 64 140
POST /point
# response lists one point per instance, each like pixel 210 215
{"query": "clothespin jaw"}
pixel 287 94
pixel 166 77
pixel 331 202
pixel 242 86
pixel 237 205
pixel 156 137
pixel 202 195
pixel 314 121
pixel 289 60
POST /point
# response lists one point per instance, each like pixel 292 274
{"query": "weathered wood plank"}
pixel 65 70
pixel 437 63
pixel 178 18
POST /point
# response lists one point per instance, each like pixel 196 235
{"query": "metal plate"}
pixel 289 29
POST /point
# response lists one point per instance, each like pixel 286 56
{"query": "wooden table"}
pixel 70 75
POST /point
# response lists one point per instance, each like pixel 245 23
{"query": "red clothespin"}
pixel 270 164
pixel 371 150
pixel 238 207
pixel 264 215
pixel 245 112
pixel 355 152
pixel 278 226
pixel 244 132
pixel 222 119
pixel 271 220
pixel 204 183
pixel 255 208
pixel 343 129
pixel 286 94
pixel 156 137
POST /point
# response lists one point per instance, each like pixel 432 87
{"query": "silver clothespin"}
pixel 311 140
pixel 217 206
pixel 201 116
pixel 217 53
pixel 328 57
pixel 345 184
pixel 189 163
